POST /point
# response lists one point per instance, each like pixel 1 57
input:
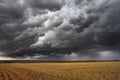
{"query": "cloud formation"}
pixel 59 29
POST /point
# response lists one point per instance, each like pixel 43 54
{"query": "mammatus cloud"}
pixel 60 29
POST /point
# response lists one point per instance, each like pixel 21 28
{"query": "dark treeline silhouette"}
pixel 52 61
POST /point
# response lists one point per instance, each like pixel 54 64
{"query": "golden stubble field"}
pixel 60 71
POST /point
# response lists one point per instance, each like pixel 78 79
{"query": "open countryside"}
pixel 60 71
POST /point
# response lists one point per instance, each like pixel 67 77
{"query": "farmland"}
pixel 60 71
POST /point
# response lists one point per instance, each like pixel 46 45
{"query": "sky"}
pixel 60 29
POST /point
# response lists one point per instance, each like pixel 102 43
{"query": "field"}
pixel 60 71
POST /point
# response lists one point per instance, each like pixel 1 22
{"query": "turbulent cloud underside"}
pixel 60 29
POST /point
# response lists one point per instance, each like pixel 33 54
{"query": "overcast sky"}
pixel 60 29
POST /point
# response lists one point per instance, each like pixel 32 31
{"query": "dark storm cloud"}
pixel 62 29
pixel 45 4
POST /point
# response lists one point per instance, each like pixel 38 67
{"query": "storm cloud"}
pixel 60 29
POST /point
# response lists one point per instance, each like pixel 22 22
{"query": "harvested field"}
pixel 60 71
